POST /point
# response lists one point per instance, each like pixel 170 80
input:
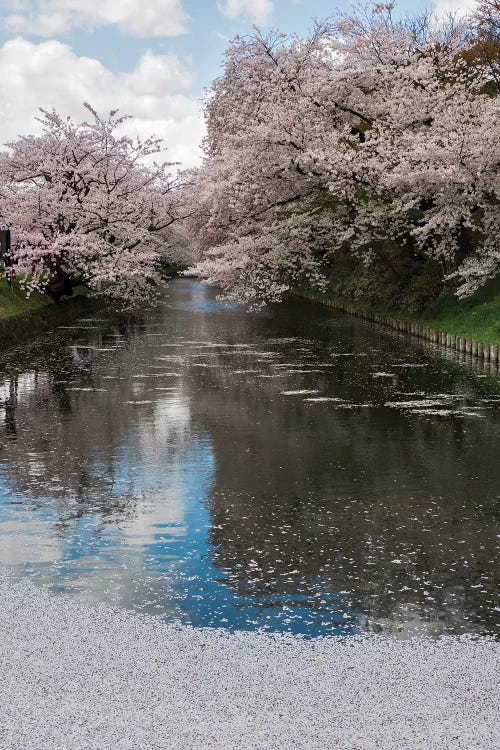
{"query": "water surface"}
pixel 290 469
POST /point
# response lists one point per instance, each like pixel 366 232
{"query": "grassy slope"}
pixel 13 301
pixel 477 317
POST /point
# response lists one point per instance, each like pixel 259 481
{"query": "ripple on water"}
pixel 250 470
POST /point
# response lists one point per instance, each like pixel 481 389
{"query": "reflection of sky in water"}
pixel 283 469
pixel 157 558
pixel 158 561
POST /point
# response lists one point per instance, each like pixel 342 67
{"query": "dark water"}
pixel 290 469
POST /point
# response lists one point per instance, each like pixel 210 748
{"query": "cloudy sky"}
pixel 150 58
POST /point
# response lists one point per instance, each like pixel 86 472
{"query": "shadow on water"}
pixel 289 469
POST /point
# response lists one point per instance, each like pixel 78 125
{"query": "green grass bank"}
pixel 464 345
pixel 23 317
pixel 13 300
pixel 412 289
pixel 476 317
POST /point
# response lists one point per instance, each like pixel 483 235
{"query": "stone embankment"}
pixel 489 354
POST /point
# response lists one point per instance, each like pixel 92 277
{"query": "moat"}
pixel 288 469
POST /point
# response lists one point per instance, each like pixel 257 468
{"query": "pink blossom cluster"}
pixel 84 208
pixel 369 130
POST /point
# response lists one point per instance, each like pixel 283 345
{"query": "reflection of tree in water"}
pixel 398 510
pixel 65 436
pixel 309 500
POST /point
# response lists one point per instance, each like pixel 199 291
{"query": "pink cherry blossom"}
pixel 84 208
pixel 366 131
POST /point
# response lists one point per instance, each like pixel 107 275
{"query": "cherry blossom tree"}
pixel 370 130
pixel 486 38
pixel 84 207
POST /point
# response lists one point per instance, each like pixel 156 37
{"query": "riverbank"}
pixel 22 317
pixel 14 302
pixel 413 289
pixel 81 677
pixel 469 326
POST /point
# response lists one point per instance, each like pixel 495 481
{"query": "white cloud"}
pixel 50 74
pixel 258 11
pixel 158 75
pixel 133 17
pixel 458 7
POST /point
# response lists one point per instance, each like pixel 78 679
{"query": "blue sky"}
pixel 150 58
pixel 208 33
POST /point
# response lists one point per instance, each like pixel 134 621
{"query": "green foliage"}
pixel 393 278
pixel 13 300
pixel 475 317
pixel 171 271
pixel 80 290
